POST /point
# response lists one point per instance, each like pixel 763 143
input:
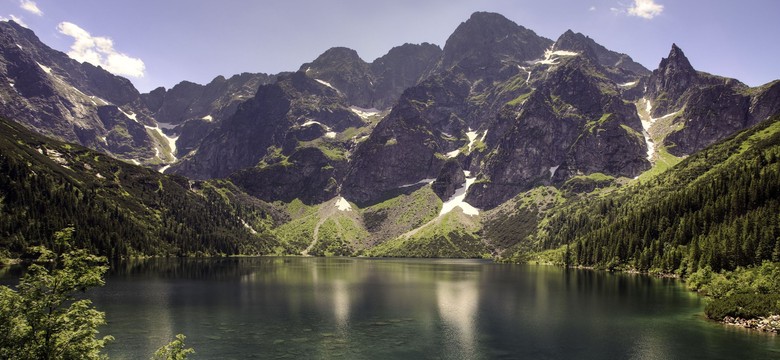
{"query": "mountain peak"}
pixel 676 61
pixel 486 39
pixel 573 41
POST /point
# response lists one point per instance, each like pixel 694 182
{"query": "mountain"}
pixel 717 208
pixel 701 108
pixel 57 96
pixel 119 209
pixel 512 109
pixel 190 111
pixel 463 151
pixel 375 85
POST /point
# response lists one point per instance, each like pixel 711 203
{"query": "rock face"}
pixel 271 127
pixel 59 97
pixel 514 111
pixel 513 108
pixel 378 84
pixel 587 47
pixel 704 108
pixel 450 178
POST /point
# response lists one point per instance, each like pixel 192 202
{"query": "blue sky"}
pixel 162 42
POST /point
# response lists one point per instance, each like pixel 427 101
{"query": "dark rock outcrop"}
pixel 450 178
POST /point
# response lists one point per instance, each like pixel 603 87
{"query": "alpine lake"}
pixel 357 308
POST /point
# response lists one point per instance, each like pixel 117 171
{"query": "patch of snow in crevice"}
pixel 19 46
pixel 484 135
pixel 330 134
pixel 45 68
pixel 553 169
pixel 629 84
pixel 446 134
pixel 323 82
pixel 648 106
pixel 342 204
pixel 453 154
pixel 423 181
pixel 130 115
pixel 313 122
pixel 208 118
pixel 458 198
pixel 171 140
pixel 104 102
pixel 472 135
pixel 135 161
pixel 549 56
pixel 99 176
pixel 104 138
pixel 364 113
pixel 650 146
pixel 163 169
pixel 526 70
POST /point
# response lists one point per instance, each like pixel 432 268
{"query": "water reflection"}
pixel 458 303
pixel 239 308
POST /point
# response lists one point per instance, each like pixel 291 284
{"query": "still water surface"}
pixel 334 308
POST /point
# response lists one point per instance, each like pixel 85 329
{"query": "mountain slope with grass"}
pixel 119 209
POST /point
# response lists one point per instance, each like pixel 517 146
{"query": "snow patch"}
pixel 102 102
pixel 423 181
pixel 45 68
pixel 313 122
pixel 171 140
pixel 162 169
pixel 453 154
pixel 650 146
pixel 551 57
pixel 208 118
pixel 323 82
pixel 99 176
pixel 130 115
pixel 166 126
pixel 364 113
pixel 484 135
pixel 330 134
pixel 629 84
pixel 458 199
pixel 553 170
pixel 472 135
pixel 343 205
pixel 526 70
pixel 135 161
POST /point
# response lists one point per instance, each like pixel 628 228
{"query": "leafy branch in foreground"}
pixel 43 318
pixel 175 350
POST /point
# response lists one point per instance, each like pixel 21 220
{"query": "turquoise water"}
pixel 334 308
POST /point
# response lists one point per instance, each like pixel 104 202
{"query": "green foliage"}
pixel 175 350
pixel 44 318
pixel 451 236
pixel 121 210
pixel 746 306
pixel 718 208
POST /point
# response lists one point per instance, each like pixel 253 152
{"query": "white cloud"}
pixel 31 7
pixel 592 8
pixel 99 51
pixel 647 9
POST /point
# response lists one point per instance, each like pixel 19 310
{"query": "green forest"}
pixel 119 209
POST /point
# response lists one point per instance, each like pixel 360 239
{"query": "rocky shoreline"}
pixel 766 324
